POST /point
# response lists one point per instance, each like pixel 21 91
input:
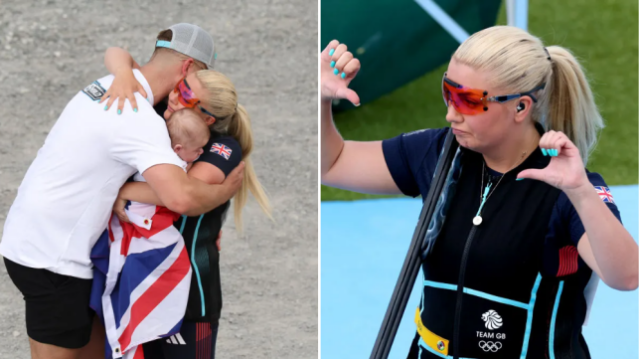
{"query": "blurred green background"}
pixel 603 35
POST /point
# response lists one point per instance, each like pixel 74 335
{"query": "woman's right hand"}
pixel 123 87
pixel 351 165
pixel 334 80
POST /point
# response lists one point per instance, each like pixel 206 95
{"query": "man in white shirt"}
pixel 66 196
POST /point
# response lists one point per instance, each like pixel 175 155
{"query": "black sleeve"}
pixel 571 219
pixel 566 229
pixel 222 152
pixel 407 156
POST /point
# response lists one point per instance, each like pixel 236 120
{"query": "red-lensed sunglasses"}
pixel 187 98
pixel 470 101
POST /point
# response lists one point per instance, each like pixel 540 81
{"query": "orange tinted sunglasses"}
pixel 187 98
pixel 470 101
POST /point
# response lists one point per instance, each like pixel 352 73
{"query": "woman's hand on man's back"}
pixel 124 86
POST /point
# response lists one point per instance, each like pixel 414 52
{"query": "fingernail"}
pixel 544 152
pixel 119 111
pixel 105 107
pixel 519 179
pixel 333 63
pixel 331 52
pixel 343 75
pixel 335 71
pixel 135 109
pixel 554 153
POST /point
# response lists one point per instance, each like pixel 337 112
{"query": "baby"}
pixel 189 134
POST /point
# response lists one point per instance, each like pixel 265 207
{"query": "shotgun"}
pixel 418 249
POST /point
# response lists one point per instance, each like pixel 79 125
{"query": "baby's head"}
pixel 189 134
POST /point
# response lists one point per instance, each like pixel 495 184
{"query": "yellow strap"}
pixel 435 342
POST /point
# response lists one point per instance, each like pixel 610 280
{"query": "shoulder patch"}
pixel 95 91
pixel 605 194
pixel 221 150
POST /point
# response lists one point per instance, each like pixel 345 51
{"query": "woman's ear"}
pixel 523 108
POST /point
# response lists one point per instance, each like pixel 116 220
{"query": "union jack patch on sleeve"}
pixel 605 194
pixel 221 150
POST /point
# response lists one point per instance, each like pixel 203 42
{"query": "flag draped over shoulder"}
pixel 141 279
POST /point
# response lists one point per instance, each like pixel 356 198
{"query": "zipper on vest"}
pixel 463 267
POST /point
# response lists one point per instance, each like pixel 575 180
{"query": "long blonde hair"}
pixel 232 119
pixel 519 62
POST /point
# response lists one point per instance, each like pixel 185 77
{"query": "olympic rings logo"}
pixel 490 346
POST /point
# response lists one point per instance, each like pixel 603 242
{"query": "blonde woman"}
pixel 214 96
pixel 527 225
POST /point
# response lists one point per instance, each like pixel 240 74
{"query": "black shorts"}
pixel 57 306
pixel 195 341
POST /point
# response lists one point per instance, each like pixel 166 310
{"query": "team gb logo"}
pixel 492 319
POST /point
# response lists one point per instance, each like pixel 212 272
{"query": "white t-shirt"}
pixel 67 195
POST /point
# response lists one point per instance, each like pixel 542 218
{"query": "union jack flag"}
pixel 605 194
pixel 222 150
pixel 142 275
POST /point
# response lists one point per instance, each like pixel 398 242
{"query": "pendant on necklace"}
pixel 477 220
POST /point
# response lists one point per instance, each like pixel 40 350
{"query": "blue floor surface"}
pixel 364 244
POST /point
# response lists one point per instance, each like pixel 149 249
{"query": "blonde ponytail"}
pixel 232 119
pixel 240 129
pixel 571 107
pixel 519 62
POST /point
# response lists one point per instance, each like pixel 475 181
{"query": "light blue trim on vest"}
pixel 532 304
pixel 440 285
pixel 495 298
pixel 195 266
pixel 184 221
pixel 162 43
pixel 477 293
pixel 552 330
pixel 528 307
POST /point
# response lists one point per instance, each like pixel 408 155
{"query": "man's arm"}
pixel 183 194
pixel 143 193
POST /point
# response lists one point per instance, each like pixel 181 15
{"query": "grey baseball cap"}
pixel 193 41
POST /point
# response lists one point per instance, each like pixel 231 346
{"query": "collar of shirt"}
pixel 145 84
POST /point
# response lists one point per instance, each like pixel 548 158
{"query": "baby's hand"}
pixel 123 87
pixel 118 209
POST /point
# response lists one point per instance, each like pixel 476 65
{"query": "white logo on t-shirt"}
pixel 492 320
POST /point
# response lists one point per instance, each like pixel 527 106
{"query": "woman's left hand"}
pixel 123 87
pixel 566 169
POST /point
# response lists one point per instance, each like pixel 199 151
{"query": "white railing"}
pixel 517 13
